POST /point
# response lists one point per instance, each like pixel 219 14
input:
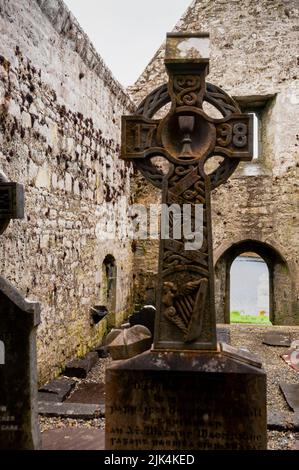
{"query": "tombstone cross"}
pixel 187 138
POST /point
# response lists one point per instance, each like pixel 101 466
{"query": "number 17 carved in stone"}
pixel 187 138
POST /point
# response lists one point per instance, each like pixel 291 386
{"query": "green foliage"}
pixel 236 317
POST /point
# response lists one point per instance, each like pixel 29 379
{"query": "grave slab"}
pixel 291 394
pixel 282 421
pixel 19 319
pixel 73 439
pixel 80 367
pixel 184 400
pixel 71 410
pixel 277 339
pixel 56 390
pixel 92 393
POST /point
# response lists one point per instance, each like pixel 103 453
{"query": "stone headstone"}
pixel 166 400
pixel 145 317
pixel 19 319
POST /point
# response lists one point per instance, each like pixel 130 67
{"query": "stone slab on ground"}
pixel 277 339
pixel 57 390
pixel 282 421
pixel 71 410
pixel 80 367
pixel 74 439
pixel 291 394
pixel 91 393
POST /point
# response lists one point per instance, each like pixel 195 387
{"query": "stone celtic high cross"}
pixel 187 138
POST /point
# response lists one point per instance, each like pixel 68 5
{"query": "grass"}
pixel 236 317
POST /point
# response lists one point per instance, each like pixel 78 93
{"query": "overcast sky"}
pixel 127 33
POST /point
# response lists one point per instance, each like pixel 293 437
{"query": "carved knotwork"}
pixel 215 96
pixel 186 89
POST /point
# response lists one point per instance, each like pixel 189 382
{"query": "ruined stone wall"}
pixel 254 53
pixel 60 112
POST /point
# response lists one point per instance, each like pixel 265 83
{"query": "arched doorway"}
pixel 281 304
pixel 249 290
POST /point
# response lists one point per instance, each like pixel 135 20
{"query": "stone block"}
pixel 43 178
pixel 26 120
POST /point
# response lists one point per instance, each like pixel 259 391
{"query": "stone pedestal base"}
pixel 186 401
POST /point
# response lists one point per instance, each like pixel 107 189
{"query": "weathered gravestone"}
pixel 188 392
pixel 19 319
pixel 18 322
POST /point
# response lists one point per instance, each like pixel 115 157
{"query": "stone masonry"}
pixel 60 111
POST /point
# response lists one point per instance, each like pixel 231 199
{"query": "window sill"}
pixel 247 169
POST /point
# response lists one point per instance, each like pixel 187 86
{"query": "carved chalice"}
pixel 186 125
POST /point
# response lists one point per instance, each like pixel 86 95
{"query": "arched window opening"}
pixel 109 283
pixel 249 290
